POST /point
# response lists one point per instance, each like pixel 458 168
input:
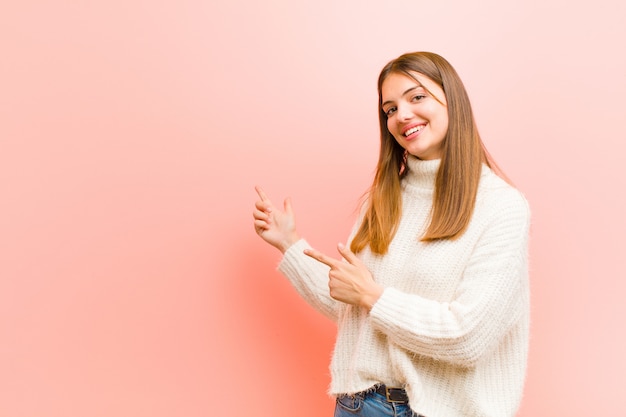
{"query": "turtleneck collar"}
pixel 421 173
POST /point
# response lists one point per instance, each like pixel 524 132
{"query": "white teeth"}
pixel 413 130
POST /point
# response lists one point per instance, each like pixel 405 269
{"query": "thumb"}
pixel 347 254
pixel 288 206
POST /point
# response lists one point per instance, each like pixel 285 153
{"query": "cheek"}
pixel 444 124
pixel 442 121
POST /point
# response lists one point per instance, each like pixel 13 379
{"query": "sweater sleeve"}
pixel 310 279
pixel 490 299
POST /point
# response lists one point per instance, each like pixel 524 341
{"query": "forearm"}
pixel 452 332
pixel 309 278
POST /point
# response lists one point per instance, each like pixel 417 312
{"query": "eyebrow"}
pixel 403 94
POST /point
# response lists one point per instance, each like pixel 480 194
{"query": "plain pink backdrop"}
pixel 132 134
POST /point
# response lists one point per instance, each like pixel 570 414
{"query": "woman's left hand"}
pixel 349 282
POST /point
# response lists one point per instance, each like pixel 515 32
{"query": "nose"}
pixel 404 112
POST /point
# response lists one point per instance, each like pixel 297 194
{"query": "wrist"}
pixel 287 243
pixel 371 297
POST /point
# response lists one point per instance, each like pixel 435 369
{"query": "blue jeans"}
pixel 370 404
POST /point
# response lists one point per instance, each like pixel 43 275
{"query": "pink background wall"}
pixel 132 134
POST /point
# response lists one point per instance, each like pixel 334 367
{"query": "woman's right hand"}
pixel 276 227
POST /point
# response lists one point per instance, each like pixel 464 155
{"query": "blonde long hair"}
pixel 456 183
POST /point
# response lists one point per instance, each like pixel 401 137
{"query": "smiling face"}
pixel 417 113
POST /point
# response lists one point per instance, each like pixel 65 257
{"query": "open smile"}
pixel 413 129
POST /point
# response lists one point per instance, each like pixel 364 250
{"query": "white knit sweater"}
pixel 452 323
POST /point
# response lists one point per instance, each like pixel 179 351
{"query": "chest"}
pixel 432 270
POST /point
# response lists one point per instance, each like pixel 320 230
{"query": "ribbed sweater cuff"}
pixel 292 257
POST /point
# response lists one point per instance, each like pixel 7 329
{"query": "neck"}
pixel 421 173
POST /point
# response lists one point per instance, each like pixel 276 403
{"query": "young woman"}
pixel 431 298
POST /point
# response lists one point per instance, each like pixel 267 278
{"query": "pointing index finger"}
pixel 320 257
pixel 261 194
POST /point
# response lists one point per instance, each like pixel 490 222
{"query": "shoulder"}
pixel 498 198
